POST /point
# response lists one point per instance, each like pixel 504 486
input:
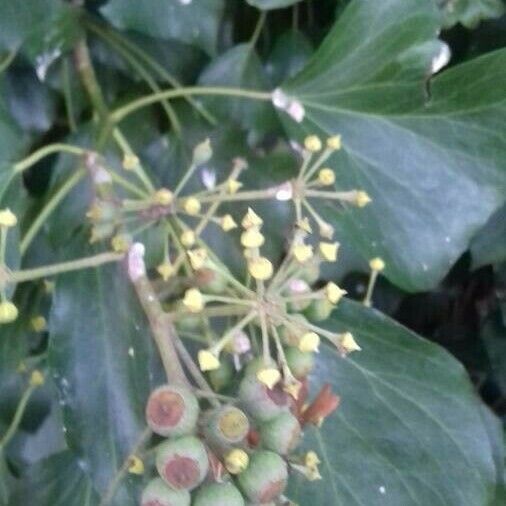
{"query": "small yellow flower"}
pixel 233 186
pixel 192 206
pixel 252 238
pixel 188 238
pixel 208 361
pixel 328 250
pixel 269 377
pixel 120 243
pixel 377 264
pixel 334 142
pixel 311 459
pixel 326 230
pixel 333 293
pixel 163 197
pixel 304 225
pixel 251 219
pixel 313 143
pixel 135 465
pixel 302 252
pixel 326 177
pixel 260 268
pixel 94 213
pixel 292 388
pixel 193 300
pixel 166 270
pixel 362 199
pixel 38 323
pixel 8 312
pixel 236 461
pixel 7 218
pixel 348 343
pixel 227 223
pixel 36 378
pixel 130 161
pixel 197 258
pixel 309 342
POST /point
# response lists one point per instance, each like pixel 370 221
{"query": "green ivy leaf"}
pixel 409 430
pixel 489 244
pixel 195 23
pixel 55 481
pixel 469 12
pixel 272 4
pixel 425 160
pixel 104 363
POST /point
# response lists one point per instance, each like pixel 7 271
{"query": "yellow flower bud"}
pixel 348 343
pixel 202 152
pixel 120 243
pixel 192 206
pixel 38 323
pixel 251 219
pixel 260 268
pixel 252 238
pixel 293 388
pixel 233 186
pixel 8 218
pixel 227 223
pixel 163 197
pixel 36 378
pixel 328 250
pixel 130 162
pixel 377 264
pixel 188 238
pixel 135 465
pixel 311 459
pixel 326 230
pixel 304 225
pixel 269 377
pixel 208 361
pixel 334 142
pixel 166 270
pixel 362 199
pixel 302 252
pixel 313 143
pixel 326 177
pixel 309 342
pixel 193 300
pixel 8 312
pixel 333 293
pixel 236 461
pixel 197 258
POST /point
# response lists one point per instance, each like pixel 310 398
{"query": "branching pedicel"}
pixel 237 448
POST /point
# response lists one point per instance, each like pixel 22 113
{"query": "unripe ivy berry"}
pixel 297 287
pixel 300 363
pixel 172 411
pixel 218 494
pixel 182 463
pixel 281 434
pixel 266 477
pixel 223 376
pixel 319 310
pixel 157 493
pixel 262 403
pixel 210 281
pixel 226 426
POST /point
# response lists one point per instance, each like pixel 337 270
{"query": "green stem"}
pixel 72 265
pixel 41 153
pixel 67 95
pixel 258 28
pixel 122 112
pixel 48 209
pixel 18 415
pixel 4 65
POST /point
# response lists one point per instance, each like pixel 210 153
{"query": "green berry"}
pixel 172 411
pixel 262 403
pixel 281 434
pixel 257 364
pixel 157 493
pixel 223 376
pixel 299 362
pixel 211 281
pixel 266 477
pixel 187 322
pixel 182 463
pixel 297 287
pixel 319 310
pixel 226 426
pixel 218 494
pixel 311 273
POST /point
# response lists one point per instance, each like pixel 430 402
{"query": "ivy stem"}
pixel 73 265
pixel 18 415
pixel 41 153
pixel 122 112
pixel 258 28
